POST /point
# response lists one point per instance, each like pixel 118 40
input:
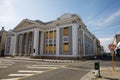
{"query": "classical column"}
pixel 57 41
pixel 35 44
pixel 15 44
pixel 75 39
pixel 83 42
pixel 42 43
pixel 22 45
pixel 27 43
pixel 6 42
pixel 11 45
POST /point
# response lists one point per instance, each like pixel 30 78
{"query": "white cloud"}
pixel 103 22
pixel 105 41
pixel 7 12
pixel 112 17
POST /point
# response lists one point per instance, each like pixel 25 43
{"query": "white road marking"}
pixel 76 68
pixel 43 67
pixel 49 65
pixel 20 74
pixel 6 64
pixel 3 66
pixel 11 79
pixel 30 71
pixel 9 62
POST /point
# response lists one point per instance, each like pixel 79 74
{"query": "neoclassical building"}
pixel 66 37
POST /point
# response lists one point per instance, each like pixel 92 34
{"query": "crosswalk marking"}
pixel 6 64
pixel 49 65
pixel 43 67
pixel 30 71
pixel 76 68
pixel 20 74
pixel 11 79
pixel 3 66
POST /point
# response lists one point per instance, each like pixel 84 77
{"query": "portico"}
pixel 67 37
pixel 27 43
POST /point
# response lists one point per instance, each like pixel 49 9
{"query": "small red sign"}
pixel 111 46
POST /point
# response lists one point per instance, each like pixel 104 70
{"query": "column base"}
pixel 35 57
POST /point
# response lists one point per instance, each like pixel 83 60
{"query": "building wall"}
pixel 116 41
pixel 2 40
pixel 67 37
pixel 117 38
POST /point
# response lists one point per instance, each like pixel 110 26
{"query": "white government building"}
pixel 65 38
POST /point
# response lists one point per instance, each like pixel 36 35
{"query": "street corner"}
pixel 108 73
pixel 91 75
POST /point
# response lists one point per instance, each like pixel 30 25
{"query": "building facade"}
pixel 67 37
pixel 116 41
pixel 2 41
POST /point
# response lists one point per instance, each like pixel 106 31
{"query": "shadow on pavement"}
pixel 111 78
pixel 105 58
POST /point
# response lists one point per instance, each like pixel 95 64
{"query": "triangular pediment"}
pixel 24 24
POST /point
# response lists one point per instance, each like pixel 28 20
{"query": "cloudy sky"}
pixel 102 17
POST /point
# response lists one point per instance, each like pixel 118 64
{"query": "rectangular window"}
pixel 50 41
pixel 66 31
pixel 51 34
pixel 50 49
pixel 65 39
pixel 66 48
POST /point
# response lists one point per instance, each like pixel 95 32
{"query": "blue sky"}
pixel 102 17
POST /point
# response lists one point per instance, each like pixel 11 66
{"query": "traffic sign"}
pixel 111 46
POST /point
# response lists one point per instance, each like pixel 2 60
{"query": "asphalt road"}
pixel 34 70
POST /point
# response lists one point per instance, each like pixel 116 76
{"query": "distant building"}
pixel 66 38
pixel 116 41
pixel 9 43
pixel 2 41
pixel 100 48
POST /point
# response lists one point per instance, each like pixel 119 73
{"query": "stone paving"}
pixel 109 74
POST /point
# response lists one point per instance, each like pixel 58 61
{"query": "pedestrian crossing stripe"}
pixel 11 79
pixel 49 65
pixel 26 73
pixel 30 71
pixel 6 64
pixel 20 75
pixel 3 66
pixel 43 67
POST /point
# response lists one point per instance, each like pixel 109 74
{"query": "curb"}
pixel 92 75
pixel 47 60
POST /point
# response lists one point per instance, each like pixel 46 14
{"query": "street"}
pixel 11 69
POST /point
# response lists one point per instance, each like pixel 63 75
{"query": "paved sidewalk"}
pixel 108 74
pixel 45 60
